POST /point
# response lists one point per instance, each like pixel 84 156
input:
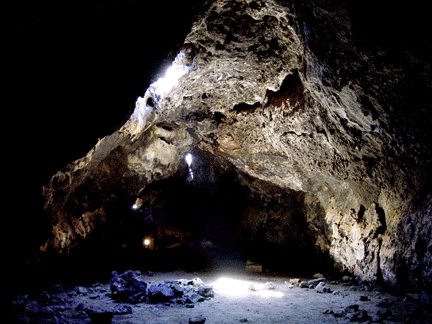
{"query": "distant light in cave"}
pixel 188 159
pixel 148 243
pixel 138 203
pixel 191 176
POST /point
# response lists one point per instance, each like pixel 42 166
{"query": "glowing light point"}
pixel 188 159
pixel 138 204
pixel 148 243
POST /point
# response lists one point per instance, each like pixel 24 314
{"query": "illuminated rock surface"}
pixel 311 149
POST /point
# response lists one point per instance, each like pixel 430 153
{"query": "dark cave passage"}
pixel 216 221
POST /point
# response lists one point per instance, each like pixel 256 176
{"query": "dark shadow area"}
pixel 217 220
pixel 74 71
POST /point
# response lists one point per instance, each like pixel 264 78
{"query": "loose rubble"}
pixel 132 297
pixel 99 304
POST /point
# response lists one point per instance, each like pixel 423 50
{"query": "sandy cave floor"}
pixel 239 297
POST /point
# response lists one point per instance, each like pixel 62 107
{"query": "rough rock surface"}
pixel 319 141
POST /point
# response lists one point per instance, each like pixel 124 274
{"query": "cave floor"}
pixel 239 297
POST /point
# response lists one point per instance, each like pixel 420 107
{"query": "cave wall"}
pixel 327 134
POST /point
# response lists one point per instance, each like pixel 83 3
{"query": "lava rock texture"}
pixel 310 142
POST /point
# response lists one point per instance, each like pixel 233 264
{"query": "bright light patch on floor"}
pixel 270 293
pixel 231 287
pixel 240 288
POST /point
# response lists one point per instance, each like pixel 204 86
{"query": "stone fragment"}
pixel 322 288
pixel 197 320
pixel 99 315
pixel 127 287
pixel 197 282
pixel 346 279
pixel 269 285
pixel 205 291
pixel 304 284
pixel 358 316
pixel 160 293
pixel 314 282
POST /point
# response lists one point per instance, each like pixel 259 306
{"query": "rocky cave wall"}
pixel 314 145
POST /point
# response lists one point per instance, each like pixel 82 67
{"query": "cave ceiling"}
pixel 298 127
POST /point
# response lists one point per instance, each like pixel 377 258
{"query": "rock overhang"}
pixel 263 102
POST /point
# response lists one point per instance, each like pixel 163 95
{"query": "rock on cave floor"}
pixel 238 297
